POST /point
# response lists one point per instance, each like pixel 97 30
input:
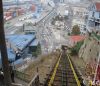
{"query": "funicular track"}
pixel 63 73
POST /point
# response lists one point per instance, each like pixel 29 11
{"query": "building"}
pixel 75 39
pixel 19 46
pixel 11 56
pixel 56 1
pixel 62 10
pixel 30 29
pixel 81 24
pixel 94 17
pixel 33 46
pixel 79 18
pixel 79 12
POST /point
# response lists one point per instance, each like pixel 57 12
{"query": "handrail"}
pixel 16 84
pixel 34 78
pixel 22 76
pixel 54 73
pixel 75 75
pixel 90 83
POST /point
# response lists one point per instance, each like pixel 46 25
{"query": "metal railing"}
pixel 54 73
pixel 25 77
pixel 15 84
pixel 75 75
pixel 22 76
pixel 35 81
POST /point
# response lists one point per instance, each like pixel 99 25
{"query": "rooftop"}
pixel 34 43
pixel 11 55
pixel 77 38
pixel 21 41
pixel 97 6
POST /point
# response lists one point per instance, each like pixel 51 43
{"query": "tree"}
pixel 75 30
pixel 68 34
pixel 37 52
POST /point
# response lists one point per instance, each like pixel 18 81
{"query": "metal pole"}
pixel 3 49
pixel 17 3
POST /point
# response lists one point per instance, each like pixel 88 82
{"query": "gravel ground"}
pixel 44 65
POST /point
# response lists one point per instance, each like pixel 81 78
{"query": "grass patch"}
pixel 76 48
pixel 97 36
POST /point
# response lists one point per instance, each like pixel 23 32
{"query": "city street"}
pixel 49 38
pixel 50 42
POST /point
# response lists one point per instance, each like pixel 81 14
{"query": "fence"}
pixel 22 76
pixel 26 78
pixel 35 81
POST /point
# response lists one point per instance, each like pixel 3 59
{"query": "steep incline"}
pixel 89 50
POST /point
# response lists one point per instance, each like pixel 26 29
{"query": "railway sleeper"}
pixel 62 69
pixel 63 66
pixel 71 84
pixel 60 72
pixel 65 69
pixel 57 80
pixel 64 76
pixel 71 80
pixel 70 76
pixel 59 83
pixel 70 72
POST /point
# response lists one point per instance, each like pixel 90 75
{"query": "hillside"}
pixel 89 50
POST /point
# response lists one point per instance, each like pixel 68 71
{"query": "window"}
pixel 99 14
pixel 93 14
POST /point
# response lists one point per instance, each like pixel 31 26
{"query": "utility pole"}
pixel 17 2
pixel 3 49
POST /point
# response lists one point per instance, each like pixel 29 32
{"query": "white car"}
pixel 22 19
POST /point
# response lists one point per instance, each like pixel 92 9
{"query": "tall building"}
pixel 94 16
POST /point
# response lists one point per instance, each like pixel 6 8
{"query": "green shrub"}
pixel 75 30
pixel 37 52
pixel 68 34
pixel 76 48
pixel 96 35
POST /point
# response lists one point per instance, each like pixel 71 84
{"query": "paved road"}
pixel 44 34
pixel 42 27
pixel 51 37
